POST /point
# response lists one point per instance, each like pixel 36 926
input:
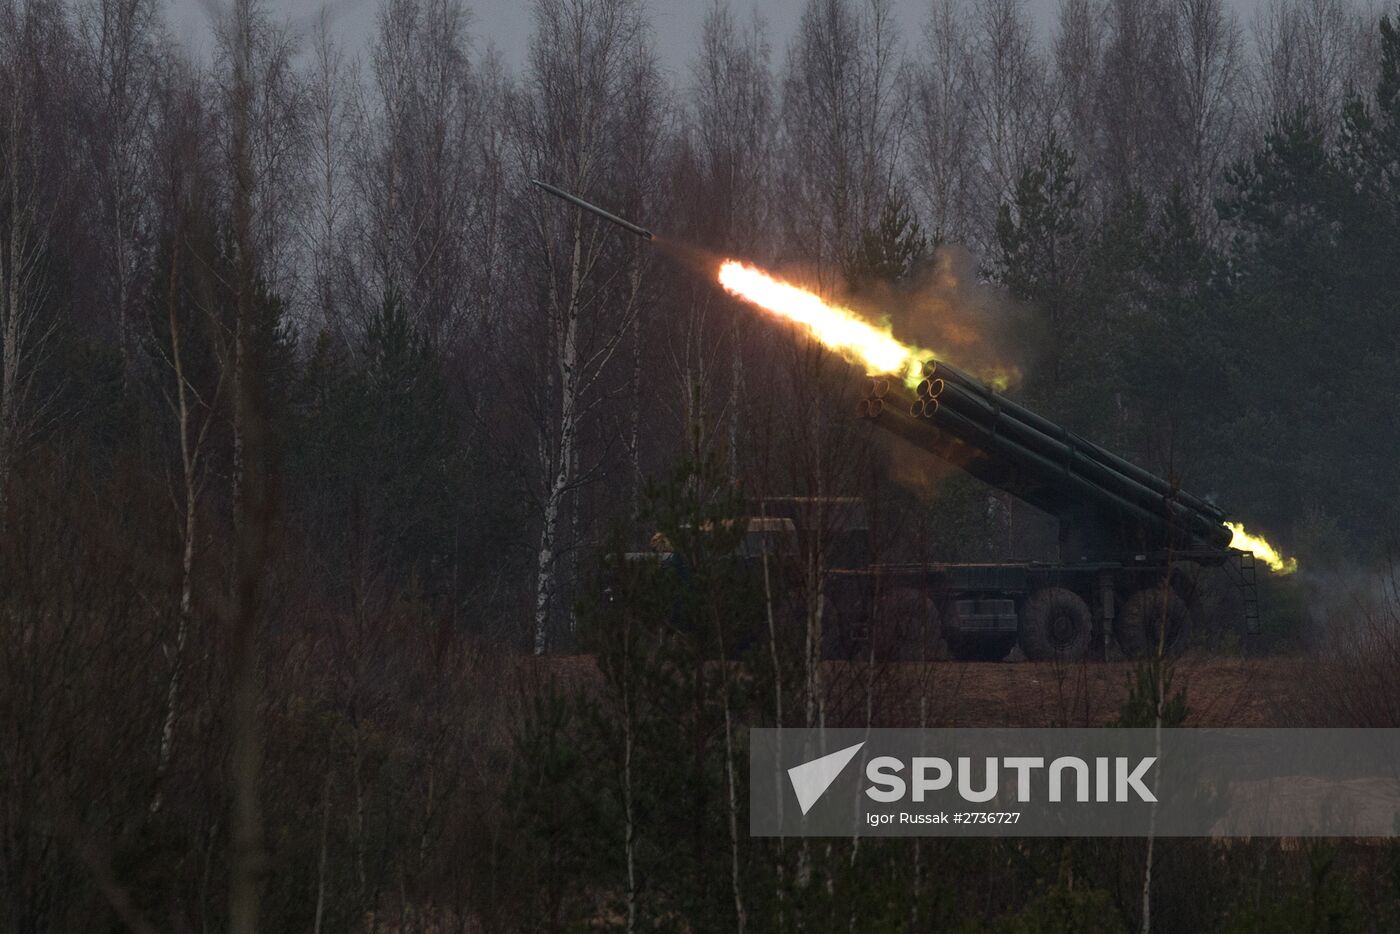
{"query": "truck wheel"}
pixel 988 648
pixel 910 629
pixel 1153 616
pixel 1055 625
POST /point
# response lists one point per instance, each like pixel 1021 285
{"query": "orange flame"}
pixel 1261 549
pixel 839 328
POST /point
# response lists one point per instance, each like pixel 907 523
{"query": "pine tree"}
pixel 377 443
pixel 1173 354
pixel 663 767
pixel 1279 436
pixel 891 251
pixel 1041 241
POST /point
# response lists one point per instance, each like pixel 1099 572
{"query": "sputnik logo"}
pixel 810 780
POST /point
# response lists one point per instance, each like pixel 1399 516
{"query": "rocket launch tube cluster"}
pixel 973 412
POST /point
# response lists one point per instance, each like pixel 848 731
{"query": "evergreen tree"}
pixel 378 457
pixel 1173 354
pixel 1298 324
pixel 1041 239
pixel 1110 313
pixel 891 251
pixel 663 761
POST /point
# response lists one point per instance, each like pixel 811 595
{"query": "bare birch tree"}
pixel 1078 50
pixel 843 123
pixel 643 122
pixel 942 150
pixel 728 189
pixel 587 59
pixel 419 180
pixel 1008 107
pixel 733 125
pixel 1205 50
pixel 331 120
pixel 26 323
pixel 1306 54
pixel 1148 94
pixel 277 141
pixel 182 171
pixel 490 271
pixel 193 416
pixel 1134 95
pixel 120 39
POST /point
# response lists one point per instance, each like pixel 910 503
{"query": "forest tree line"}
pixel 312 409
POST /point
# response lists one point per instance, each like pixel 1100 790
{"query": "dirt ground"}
pixel 1237 692
pixel 1220 691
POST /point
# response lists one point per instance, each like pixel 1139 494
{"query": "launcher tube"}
pixel 1066 459
pixel 954 376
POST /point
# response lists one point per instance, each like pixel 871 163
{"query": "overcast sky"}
pixel 506 23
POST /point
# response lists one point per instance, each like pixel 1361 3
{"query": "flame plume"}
pixel 1261 549
pixel 839 328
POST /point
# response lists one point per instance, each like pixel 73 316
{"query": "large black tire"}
pixel 910 629
pixel 1151 618
pixel 989 647
pixel 1055 626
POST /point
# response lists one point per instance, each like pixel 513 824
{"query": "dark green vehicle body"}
pixel 972 611
pixel 1142 563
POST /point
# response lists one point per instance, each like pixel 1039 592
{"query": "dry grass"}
pixel 1220 691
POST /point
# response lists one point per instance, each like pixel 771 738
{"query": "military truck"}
pixel 1135 550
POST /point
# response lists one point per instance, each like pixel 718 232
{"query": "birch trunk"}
pixel 589 112
pixel 768 599
pixel 191 450
pixel 731 787
pixel 177 652
pixel 546 581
